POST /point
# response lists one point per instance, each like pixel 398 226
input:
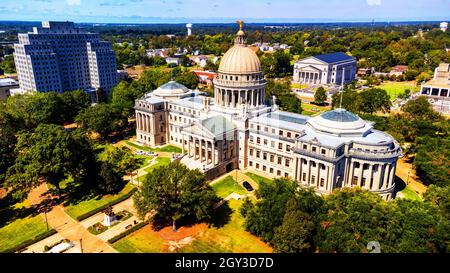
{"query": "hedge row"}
pixel 128 232
pixel 111 203
pixel 31 241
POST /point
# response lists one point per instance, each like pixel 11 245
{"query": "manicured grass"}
pixel 227 186
pixel 86 206
pixel 20 231
pixel 144 240
pixel 307 109
pixel 230 237
pixel 167 148
pixel 298 85
pixel 257 178
pixel 160 161
pixel 410 194
pixel 396 88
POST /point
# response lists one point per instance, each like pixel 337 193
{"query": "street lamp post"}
pixel 46 221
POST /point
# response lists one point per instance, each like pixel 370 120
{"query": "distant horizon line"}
pixel 181 20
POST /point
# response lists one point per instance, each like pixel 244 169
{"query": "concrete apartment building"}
pixel 60 57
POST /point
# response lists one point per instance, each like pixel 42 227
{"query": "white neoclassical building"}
pixel 330 68
pixel 236 129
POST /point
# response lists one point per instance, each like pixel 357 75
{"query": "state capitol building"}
pixel 236 129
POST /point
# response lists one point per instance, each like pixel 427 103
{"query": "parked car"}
pixel 247 186
pixel 140 152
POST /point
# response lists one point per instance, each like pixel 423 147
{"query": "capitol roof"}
pixel 171 88
pixel 240 59
pixel 340 122
pixel 334 57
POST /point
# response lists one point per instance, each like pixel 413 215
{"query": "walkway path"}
pixel 407 173
pixel 69 228
pixel 234 196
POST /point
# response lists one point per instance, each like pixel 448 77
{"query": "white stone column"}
pixel 182 140
pixel 189 146
pixel 213 152
pixel 377 178
pixel 361 171
pixel 370 177
pixel 351 171
pixel 195 148
pixel 391 177
pixel 257 97
pixel 385 176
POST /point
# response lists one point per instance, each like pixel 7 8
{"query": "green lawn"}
pixel 160 161
pixel 21 231
pixel 307 109
pixel 86 206
pixel 144 240
pixel 167 148
pixel 410 194
pixel 298 85
pixel 396 88
pixel 257 178
pixel 229 237
pixel 227 186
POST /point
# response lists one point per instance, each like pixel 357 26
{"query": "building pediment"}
pixel 309 68
pixel 311 61
pixel 197 129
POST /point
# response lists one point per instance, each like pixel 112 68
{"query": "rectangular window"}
pixel 304 176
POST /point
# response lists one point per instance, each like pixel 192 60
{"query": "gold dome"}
pixel 240 60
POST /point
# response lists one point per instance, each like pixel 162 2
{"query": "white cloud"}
pixel 73 2
pixel 373 2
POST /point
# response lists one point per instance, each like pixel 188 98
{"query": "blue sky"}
pixel 179 11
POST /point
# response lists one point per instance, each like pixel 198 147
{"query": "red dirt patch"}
pixel 191 231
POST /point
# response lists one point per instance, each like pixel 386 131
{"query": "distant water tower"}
pixel 189 29
pixel 443 26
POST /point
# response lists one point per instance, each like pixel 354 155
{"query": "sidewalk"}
pixel 69 228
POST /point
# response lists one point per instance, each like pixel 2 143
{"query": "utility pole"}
pixel 81 244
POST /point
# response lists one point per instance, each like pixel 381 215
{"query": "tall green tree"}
pixel 48 154
pixel 294 235
pixel 102 118
pixel 269 212
pixel 373 100
pixel 120 159
pixel 320 96
pixel 174 192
